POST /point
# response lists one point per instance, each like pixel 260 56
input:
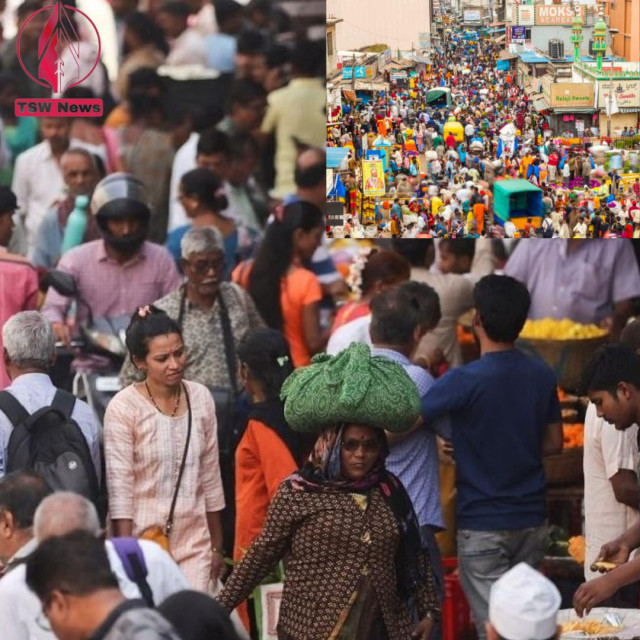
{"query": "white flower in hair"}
pixel 354 277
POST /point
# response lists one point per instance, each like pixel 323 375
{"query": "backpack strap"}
pixel 135 566
pixel 11 408
pixel 64 401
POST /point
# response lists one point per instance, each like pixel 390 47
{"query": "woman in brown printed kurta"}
pixel 350 532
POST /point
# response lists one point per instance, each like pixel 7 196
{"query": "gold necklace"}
pixel 175 409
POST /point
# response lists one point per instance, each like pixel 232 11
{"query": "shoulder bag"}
pixel 226 399
pixel 157 533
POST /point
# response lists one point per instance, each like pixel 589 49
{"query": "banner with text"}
pixel 572 94
pixel 556 14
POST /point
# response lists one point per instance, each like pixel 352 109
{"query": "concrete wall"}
pixel 625 16
pixel 331 55
pixel 395 23
pixel 541 35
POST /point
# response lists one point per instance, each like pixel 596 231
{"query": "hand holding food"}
pixel 614 552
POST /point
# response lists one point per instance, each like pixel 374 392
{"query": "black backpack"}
pixel 51 443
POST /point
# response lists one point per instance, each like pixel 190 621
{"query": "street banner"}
pixel 372 178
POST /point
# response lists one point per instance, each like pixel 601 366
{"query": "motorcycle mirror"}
pixel 63 283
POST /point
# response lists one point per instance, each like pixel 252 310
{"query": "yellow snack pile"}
pixel 553 329
pixel 577 548
pixel 590 626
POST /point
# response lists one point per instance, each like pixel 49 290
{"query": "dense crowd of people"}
pixel 443 154
pixel 263 432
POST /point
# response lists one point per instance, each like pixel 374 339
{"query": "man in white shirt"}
pixel 469 130
pixel 57 515
pixel 580 230
pixel 37 178
pixel 187 44
pixel 185 160
pixel 611 492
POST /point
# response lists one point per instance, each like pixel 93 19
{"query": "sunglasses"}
pixel 368 446
pixel 203 266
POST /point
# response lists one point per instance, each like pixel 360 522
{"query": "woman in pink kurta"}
pixel 143 452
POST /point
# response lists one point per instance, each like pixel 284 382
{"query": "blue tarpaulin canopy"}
pixel 335 156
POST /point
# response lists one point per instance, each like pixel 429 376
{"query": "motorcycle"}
pixel 101 340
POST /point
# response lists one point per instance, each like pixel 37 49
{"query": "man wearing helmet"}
pixel 120 272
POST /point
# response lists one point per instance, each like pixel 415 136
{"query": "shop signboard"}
pixel 572 94
pixel 556 14
pixel 625 92
pixel 472 15
pixel 518 34
pixel 385 58
pixel 424 39
pixel 526 15
pixel 347 72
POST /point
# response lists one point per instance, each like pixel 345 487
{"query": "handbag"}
pixel 156 533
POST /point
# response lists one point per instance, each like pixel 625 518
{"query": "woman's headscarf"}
pixel 323 473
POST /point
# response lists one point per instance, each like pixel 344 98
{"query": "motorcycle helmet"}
pixel 119 196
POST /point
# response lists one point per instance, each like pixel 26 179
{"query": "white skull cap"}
pixel 524 605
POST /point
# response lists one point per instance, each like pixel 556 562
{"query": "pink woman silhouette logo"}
pixel 59 34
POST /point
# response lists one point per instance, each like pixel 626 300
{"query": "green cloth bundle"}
pixel 352 387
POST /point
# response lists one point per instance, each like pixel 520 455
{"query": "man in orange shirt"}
pixel 479 212
pixel 18 279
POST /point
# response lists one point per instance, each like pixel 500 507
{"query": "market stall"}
pixel 517 200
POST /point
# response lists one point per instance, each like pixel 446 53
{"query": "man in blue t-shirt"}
pixel 505 417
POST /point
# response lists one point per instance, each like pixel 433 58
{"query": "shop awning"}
pixel 349 95
pixel 540 104
pixel 573 109
pixel 507 55
pixel 335 156
pixel 501 39
pixel 497 24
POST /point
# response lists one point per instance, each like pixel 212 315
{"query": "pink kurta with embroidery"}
pixel 143 451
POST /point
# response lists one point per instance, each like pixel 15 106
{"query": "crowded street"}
pixel 465 146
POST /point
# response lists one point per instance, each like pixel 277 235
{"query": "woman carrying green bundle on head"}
pixel 354 563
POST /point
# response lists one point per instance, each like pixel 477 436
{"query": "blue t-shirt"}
pixel 499 407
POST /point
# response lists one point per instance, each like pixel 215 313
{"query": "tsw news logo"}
pixel 60 62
